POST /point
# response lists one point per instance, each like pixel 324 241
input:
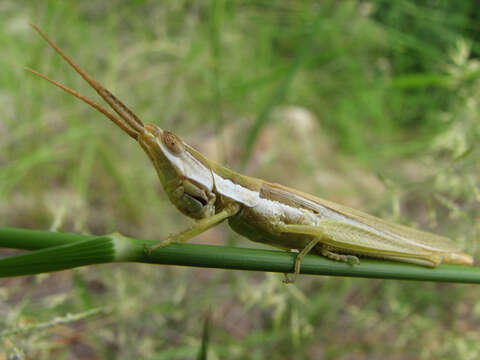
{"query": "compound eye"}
pixel 172 142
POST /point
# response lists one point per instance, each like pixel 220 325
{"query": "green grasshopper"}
pixel 262 211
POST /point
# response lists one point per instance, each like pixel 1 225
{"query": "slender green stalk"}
pixel 60 251
pixel 16 238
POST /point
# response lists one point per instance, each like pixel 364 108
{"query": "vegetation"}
pixel 373 104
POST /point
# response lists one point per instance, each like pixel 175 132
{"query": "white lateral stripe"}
pixel 235 192
pixel 189 167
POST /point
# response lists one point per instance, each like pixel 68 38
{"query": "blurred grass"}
pixel 369 103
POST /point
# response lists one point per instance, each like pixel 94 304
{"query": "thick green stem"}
pixel 61 257
pixel 25 239
pixel 65 251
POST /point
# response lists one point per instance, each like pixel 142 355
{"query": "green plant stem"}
pixel 64 251
pixel 25 239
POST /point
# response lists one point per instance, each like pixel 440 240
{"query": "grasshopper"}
pixel 262 211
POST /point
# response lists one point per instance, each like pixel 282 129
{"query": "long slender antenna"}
pixel 104 111
pixel 121 109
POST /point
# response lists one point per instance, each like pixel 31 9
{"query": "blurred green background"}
pixel 373 104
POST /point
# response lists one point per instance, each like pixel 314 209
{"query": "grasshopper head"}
pixel 187 181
